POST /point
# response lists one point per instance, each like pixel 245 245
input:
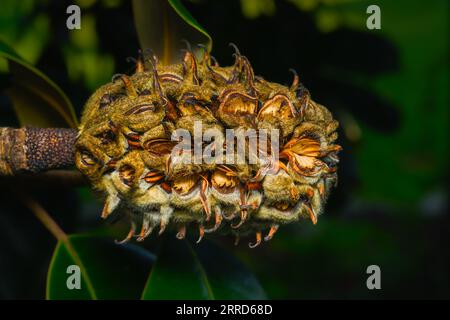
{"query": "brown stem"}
pixel 33 150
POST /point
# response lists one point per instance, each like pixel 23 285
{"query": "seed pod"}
pixel 156 143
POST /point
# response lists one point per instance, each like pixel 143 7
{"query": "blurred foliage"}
pixel 254 8
pixel 84 61
pixel 26 30
pixel 388 88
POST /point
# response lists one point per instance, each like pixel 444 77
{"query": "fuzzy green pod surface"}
pixel 217 148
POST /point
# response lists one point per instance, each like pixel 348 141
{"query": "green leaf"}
pixel 108 270
pixel 162 25
pixel 204 271
pixel 37 100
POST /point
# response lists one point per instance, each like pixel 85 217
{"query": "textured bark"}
pixel 33 150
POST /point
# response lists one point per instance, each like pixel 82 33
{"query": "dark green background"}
pixel 388 88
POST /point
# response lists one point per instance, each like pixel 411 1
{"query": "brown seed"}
pixel 222 182
pixel 185 185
